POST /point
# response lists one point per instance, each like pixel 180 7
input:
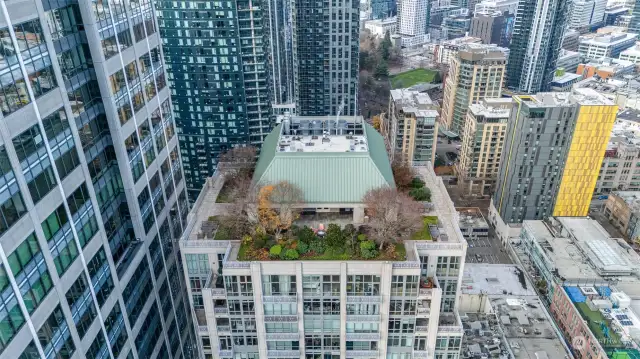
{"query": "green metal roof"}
pixel 327 177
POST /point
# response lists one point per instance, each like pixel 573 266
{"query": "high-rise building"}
pixel 333 308
pixel 476 72
pixel 218 57
pixel 92 190
pixel 383 9
pixel 535 44
pixel 326 48
pixel 596 46
pixel 482 142
pixel 493 27
pixel 585 13
pixel 412 17
pixel 410 127
pixel 553 152
pixel 634 24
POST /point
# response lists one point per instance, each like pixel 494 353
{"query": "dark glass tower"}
pixel 326 49
pixel 217 53
pixel 536 42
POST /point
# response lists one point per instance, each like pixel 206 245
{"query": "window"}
pixel 98 348
pixel 64 21
pixel 114 323
pixel 81 304
pixel 279 285
pixel 363 309
pixel 281 327
pixel 238 285
pixel 362 327
pixel 363 285
pixel 30 270
pixel 197 264
pixel 404 285
pixel 280 308
pixel 12 318
pixel 137 291
pixel 100 276
pixel 35 162
pixel 401 325
pixel 30 352
pixel 326 285
pixel 12 209
pixel 57 231
pixel 149 334
pixel 402 307
pixel 54 336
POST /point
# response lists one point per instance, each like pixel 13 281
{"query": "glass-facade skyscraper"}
pixel 217 53
pixel 535 44
pixel 92 194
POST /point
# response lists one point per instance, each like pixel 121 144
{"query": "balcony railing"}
pixel 364 299
pixel 362 353
pixel 450 329
pixel 283 353
pixel 280 318
pixel 363 318
pixel 425 292
pixel 420 354
pixel 283 336
pixel 225 353
pixel 406 264
pixel 363 336
pixel 203 329
pixel 422 328
pixel 280 298
pixel 221 310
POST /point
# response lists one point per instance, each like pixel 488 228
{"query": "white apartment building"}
pixel 444 52
pixel 586 12
pixel 610 45
pixel 326 308
pixel 412 17
pixel 380 27
pixel 620 169
pixel 631 54
pixel 509 6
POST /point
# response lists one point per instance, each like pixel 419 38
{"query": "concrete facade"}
pixel 274 305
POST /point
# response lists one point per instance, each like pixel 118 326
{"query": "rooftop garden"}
pixel 264 218
pixel 424 234
pixel 599 326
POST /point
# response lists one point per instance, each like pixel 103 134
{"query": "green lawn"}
pixel 594 319
pixel 424 234
pixel 412 77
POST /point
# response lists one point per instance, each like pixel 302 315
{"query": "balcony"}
pixel 221 312
pixel 291 298
pixel 280 318
pixel 203 329
pixel 225 353
pixel 283 353
pixel 425 293
pixel 450 323
pixel 282 336
pixel 364 299
pixel 362 353
pixel 420 354
pixel 363 318
pixel 363 336
pixel 223 330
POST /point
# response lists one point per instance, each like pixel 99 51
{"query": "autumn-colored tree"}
pixel 279 206
pixel 403 173
pixel 377 122
pixel 393 215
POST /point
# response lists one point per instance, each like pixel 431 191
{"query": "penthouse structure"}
pixel 596 46
pixel 327 305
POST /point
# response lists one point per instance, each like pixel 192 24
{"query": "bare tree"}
pixel 393 215
pixel 238 161
pixel 279 206
pixel 403 173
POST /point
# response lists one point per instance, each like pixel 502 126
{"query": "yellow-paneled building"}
pixel 595 118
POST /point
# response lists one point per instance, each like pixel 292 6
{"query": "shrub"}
pixel 291 254
pixel 318 246
pixel 420 194
pixel 334 237
pixel 362 237
pixel 306 235
pixel 368 249
pixel 416 182
pixel 303 248
pixel 275 251
pixel 259 242
pixel 349 230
